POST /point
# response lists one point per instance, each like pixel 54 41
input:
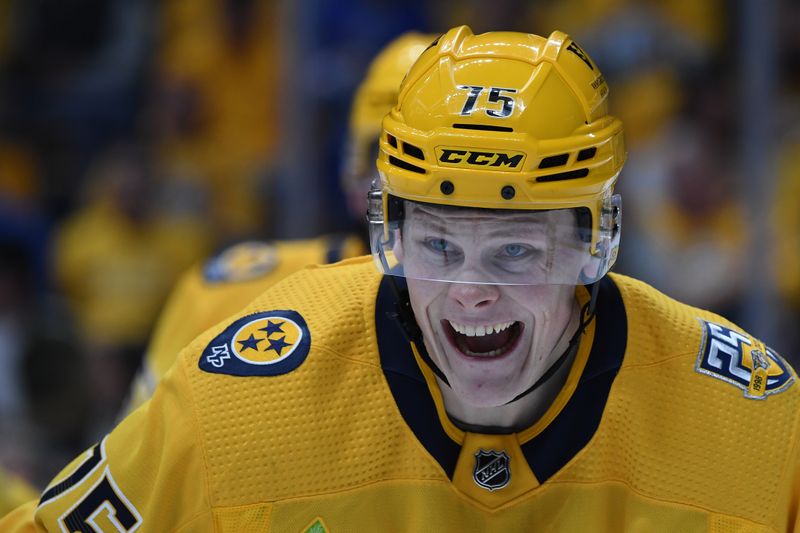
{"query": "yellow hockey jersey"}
pixel 209 292
pixel 309 411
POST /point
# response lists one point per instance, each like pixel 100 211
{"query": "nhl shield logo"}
pixel 492 470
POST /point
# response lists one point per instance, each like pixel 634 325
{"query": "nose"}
pixel 473 296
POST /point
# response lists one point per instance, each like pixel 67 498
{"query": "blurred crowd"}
pixel 138 137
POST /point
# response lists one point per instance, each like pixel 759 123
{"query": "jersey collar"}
pixel 564 429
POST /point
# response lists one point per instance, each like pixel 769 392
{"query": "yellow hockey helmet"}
pixel 374 98
pixel 504 121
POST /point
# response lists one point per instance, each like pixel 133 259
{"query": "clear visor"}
pixel 491 246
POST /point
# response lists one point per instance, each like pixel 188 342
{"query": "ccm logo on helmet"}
pixel 460 157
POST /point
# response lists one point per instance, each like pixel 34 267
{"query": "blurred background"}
pixel 137 137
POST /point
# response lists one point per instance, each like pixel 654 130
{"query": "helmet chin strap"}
pixel 587 315
pixel 404 314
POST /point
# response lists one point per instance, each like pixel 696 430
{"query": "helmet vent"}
pixel 413 151
pixel 407 166
pixel 392 140
pixel 554 161
pixel 572 174
pixel 482 127
pixel 586 153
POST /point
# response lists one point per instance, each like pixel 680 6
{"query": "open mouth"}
pixel 491 340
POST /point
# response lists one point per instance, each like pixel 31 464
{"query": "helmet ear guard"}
pixel 606 250
pixel 381 236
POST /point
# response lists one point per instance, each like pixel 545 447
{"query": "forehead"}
pixel 512 221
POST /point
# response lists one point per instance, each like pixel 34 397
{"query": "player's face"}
pixel 492 341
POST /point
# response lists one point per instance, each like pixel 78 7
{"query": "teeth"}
pixel 480 331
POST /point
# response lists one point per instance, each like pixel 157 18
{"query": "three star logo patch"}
pixel 269 343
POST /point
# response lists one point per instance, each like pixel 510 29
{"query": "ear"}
pixel 398 246
pixel 597 266
pixel 591 269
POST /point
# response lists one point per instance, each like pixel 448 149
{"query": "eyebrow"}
pixel 436 223
pixel 519 231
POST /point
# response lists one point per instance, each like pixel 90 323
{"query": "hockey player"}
pixel 494 378
pixel 208 293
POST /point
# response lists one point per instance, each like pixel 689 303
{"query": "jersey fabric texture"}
pixel 310 411
pixel 212 291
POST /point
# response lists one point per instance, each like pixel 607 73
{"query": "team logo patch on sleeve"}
pixel 742 361
pixel 269 343
pixel 241 262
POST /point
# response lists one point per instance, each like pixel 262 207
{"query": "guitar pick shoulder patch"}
pixel 742 361
pixel 269 343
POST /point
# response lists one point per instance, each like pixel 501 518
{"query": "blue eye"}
pixel 514 250
pixel 440 245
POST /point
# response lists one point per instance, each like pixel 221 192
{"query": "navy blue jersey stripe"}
pixel 81 472
pixel 407 383
pixel 575 425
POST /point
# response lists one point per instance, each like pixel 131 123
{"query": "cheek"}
pixel 545 302
pixel 422 295
pixel 398 247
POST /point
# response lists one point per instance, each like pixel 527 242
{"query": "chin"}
pixel 482 394
pixel 481 399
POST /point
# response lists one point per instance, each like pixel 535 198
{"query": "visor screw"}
pixel 447 187
pixel 508 192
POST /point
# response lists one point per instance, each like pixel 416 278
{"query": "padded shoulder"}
pixel 655 319
pixel 337 301
pixel 312 396
pixel 661 329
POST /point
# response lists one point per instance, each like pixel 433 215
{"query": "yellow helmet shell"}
pixel 375 97
pixel 503 120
